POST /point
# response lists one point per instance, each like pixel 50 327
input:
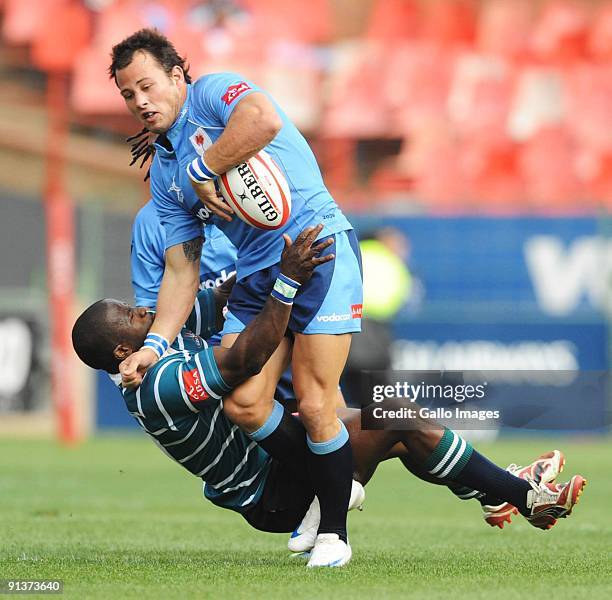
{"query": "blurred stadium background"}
pixel 480 130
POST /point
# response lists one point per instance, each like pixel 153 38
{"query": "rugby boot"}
pixel 551 501
pixel 329 551
pixel 544 469
pixel 304 535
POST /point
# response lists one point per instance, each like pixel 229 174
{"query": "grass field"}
pixel 115 518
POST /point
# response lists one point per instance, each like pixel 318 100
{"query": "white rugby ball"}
pixel 258 192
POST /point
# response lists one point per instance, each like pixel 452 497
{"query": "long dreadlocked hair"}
pixel 141 147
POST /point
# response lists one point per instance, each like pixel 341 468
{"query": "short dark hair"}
pixel 94 338
pixel 153 42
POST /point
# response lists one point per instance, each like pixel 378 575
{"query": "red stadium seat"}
pixel 24 19
pixel 337 159
pixel 58 48
pixel 297 88
pixel 92 91
pixel 356 106
pixel 393 22
pixel 481 93
pixel 600 35
pixel 388 182
pixel 589 118
pixel 171 17
pixel 163 14
pixel 489 165
pixel 596 173
pixel 539 101
pixel 215 41
pixel 305 22
pixel 560 36
pixel 548 167
pixel 504 27
pixel 116 22
pixel 416 81
pixel 430 157
pixel 449 23
pixel 188 40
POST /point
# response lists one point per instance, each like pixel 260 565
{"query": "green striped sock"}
pixel 449 457
pixel 463 492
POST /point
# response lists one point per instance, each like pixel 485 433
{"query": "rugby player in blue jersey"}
pixel 179 405
pixel 210 126
pixel 148 260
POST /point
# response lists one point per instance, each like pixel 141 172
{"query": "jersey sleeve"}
pixel 147 257
pixel 216 96
pixel 160 403
pixel 179 224
pixel 201 378
pixel 177 387
pixel 203 318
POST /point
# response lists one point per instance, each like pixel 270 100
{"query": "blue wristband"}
pixel 285 289
pixel 199 171
pixel 157 343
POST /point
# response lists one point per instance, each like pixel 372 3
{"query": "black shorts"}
pixel 284 502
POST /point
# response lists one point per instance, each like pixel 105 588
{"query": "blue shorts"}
pixel 330 303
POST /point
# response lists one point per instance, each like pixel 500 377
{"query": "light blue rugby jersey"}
pixel 179 405
pixel 207 109
pixel 148 262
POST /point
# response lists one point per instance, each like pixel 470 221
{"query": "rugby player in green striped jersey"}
pixel 180 406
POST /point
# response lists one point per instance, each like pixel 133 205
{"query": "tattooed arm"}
pixel 178 288
pixel 177 293
pixel 193 249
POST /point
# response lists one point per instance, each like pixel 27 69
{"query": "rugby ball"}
pixel 258 192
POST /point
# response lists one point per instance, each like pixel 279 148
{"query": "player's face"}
pixel 135 322
pixel 151 95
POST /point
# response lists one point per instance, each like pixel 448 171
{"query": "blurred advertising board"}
pixel 528 295
pixel 21 372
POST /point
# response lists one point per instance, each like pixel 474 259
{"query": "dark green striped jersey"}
pixel 179 405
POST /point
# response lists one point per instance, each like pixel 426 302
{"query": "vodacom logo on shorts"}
pixel 356 311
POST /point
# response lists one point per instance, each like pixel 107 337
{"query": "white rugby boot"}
pixel 329 551
pixel 551 501
pixel 304 535
pixel 545 469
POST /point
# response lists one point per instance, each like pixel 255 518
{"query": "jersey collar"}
pixel 174 133
pixel 162 151
pixel 115 378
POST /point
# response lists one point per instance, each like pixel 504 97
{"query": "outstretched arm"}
pixel 174 303
pixel 178 288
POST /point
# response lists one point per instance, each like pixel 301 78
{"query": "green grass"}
pixel 115 518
